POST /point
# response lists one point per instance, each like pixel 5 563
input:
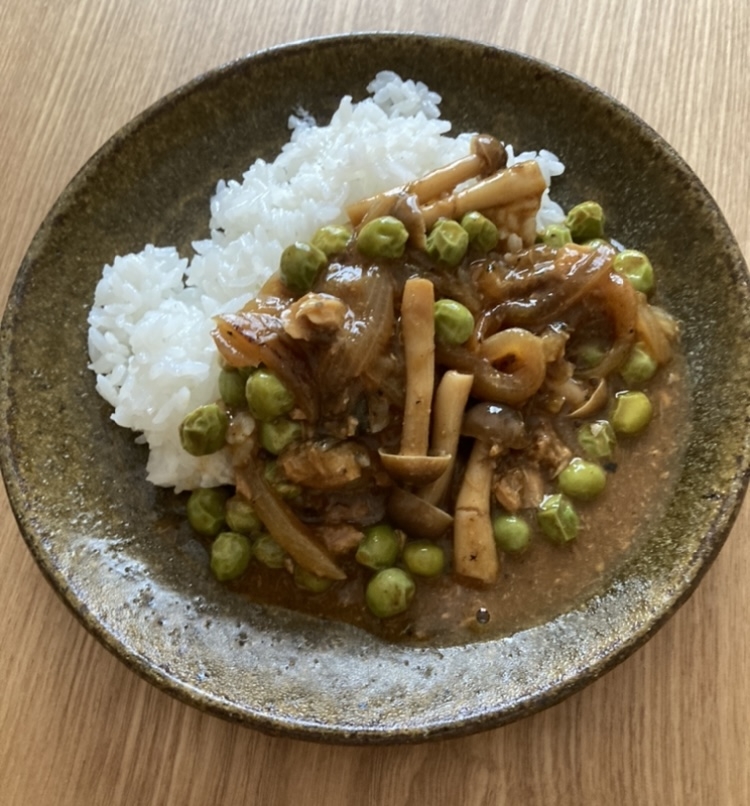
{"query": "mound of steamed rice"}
pixel 149 336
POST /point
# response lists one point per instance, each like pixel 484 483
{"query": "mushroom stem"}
pixel 524 180
pixel 474 551
pixel 413 464
pixel 450 403
pixel 487 156
pixel 418 330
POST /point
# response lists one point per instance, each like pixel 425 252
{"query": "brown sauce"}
pixel 544 581
pixel 547 578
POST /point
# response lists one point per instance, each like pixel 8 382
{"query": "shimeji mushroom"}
pixel 486 158
pixel 420 204
pixel 448 412
pixel 524 180
pixel 415 516
pixel 419 513
pixel 474 549
pixel 413 464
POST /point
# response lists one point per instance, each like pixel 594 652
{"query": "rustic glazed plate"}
pixel 108 541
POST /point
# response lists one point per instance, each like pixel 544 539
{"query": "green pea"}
pixel 512 533
pixel 268 551
pixel 635 267
pixel 557 518
pixel 556 235
pixel 383 237
pixel 482 232
pixel 230 555
pixel 379 547
pixel 232 388
pixel 424 558
pixel 205 510
pixel 585 221
pixel 310 582
pixel 597 439
pixel 279 434
pixel 331 239
pixel 632 413
pixel 240 516
pixel 300 266
pixel 267 397
pixel 389 592
pixel 639 366
pixel 582 479
pixel 454 322
pixel 204 430
pixel 447 242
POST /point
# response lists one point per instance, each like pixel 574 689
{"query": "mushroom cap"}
pixel 415 516
pixel 418 470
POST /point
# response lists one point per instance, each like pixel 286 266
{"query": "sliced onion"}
pixel 542 286
pixel 519 355
pixel 656 328
pixel 286 529
pixel 620 301
pixel 252 338
pixel 362 339
pixel 489 383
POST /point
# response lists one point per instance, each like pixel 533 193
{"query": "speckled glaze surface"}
pixel 109 542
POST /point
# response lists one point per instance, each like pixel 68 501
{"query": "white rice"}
pixel 149 337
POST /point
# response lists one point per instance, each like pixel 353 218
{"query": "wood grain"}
pixel 668 726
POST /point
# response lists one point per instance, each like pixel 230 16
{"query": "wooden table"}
pixel 668 726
